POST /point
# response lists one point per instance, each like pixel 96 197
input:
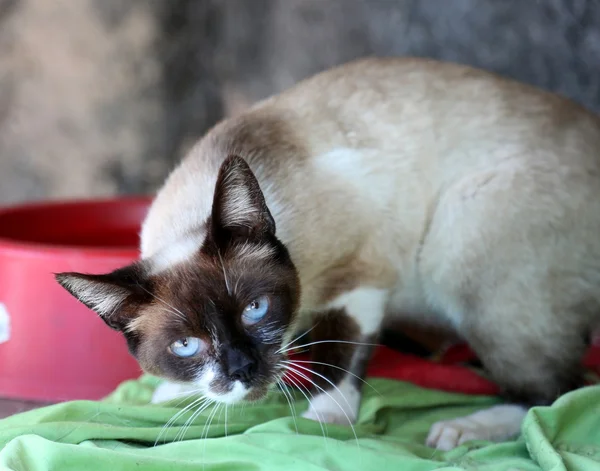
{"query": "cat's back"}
pixel 373 138
pixel 423 108
pixel 399 132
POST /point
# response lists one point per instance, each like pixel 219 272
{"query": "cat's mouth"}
pixel 221 389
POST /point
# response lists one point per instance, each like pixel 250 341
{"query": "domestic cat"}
pixel 380 188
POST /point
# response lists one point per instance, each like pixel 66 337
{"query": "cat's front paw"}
pixel 168 391
pixel 496 424
pixel 339 406
pixel 329 417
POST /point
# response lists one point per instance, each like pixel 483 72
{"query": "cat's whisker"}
pixel 337 367
pixel 208 423
pixel 221 411
pixel 216 407
pixel 176 416
pixel 183 427
pixel 207 428
pixel 304 350
pixel 188 423
pixel 225 421
pixel 307 378
pixel 330 341
pixel 283 347
pixel 194 416
pixel 185 395
pixel 172 420
pixel 289 399
pixel 302 388
pixel 271 337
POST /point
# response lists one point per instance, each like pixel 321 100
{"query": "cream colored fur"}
pixel 472 200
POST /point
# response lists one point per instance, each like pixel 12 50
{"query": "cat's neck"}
pixel 176 223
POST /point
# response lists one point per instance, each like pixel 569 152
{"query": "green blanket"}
pixel 120 432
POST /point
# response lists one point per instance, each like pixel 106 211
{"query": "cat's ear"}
pixel 116 297
pixel 239 207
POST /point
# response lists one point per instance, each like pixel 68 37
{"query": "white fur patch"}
pixel 103 298
pixel 363 169
pixel 237 393
pixel 342 161
pixel 206 377
pixel 168 391
pixel 365 305
pixel 495 424
pixel 176 253
pixel 338 406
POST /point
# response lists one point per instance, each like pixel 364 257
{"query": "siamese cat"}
pixel 379 189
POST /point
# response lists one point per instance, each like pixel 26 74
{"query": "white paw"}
pixel 338 406
pixel 168 391
pixel 495 424
pixel 330 416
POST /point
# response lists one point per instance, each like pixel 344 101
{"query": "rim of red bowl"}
pixel 14 245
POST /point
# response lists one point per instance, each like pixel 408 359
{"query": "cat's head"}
pixel 220 318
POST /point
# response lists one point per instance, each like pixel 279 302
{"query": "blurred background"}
pixel 102 97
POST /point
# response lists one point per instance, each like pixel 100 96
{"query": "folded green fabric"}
pixel 125 432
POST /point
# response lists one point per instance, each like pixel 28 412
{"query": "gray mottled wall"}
pixel 101 97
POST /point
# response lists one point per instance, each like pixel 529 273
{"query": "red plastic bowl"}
pixel 52 348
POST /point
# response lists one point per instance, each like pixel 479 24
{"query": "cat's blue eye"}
pixel 186 347
pixel 256 310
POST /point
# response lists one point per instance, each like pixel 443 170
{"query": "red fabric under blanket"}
pixel 445 371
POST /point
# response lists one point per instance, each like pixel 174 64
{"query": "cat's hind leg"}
pixel 532 345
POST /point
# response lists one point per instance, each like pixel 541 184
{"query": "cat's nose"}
pixel 240 366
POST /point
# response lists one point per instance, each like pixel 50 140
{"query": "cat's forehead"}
pixel 196 250
pixel 198 295
pixel 208 276
pixel 182 303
